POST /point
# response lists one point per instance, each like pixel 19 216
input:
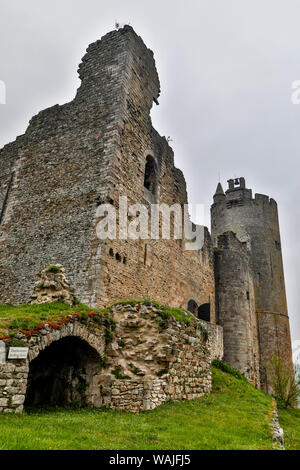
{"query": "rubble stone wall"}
pixel 147 361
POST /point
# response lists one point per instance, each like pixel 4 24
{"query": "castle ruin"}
pixel 101 146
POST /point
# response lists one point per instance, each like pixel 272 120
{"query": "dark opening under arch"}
pixel 204 312
pixel 150 179
pixel 65 373
pixel 192 307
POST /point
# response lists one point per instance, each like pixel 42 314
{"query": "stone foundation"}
pixel 146 361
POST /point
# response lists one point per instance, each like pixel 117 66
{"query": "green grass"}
pixel 234 416
pixel 227 368
pixel 290 421
pixel 27 317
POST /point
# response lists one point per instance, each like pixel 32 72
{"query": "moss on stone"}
pixel 135 370
pixel 54 269
pixel 118 374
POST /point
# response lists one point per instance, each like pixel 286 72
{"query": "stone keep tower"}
pixel 79 155
pixel 255 223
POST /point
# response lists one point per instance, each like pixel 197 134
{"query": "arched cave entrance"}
pixel 65 373
pixel 204 312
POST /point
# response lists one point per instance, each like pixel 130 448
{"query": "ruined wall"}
pixel 236 306
pixel 62 167
pixel 157 269
pixel 255 223
pixel 84 153
pixel 147 361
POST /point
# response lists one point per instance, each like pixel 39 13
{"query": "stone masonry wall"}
pixel 236 306
pixel 159 269
pixel 255 222
pixel 62 166
pixel 176 357
pixel 274 335
pixel 147 361
pixel 90 151
pixel 14 373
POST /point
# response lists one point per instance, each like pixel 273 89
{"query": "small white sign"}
pixel 2 352
pixel 18 353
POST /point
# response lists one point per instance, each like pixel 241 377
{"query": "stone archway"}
pixel 65 365
pixel 67 372
pixel 204 312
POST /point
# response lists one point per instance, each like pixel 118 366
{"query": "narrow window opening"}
pixel 6 197
pixel 150 180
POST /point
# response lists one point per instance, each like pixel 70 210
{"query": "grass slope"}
pixel 290 421
pixel 234 416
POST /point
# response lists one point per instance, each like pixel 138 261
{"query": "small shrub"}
pixel 285 388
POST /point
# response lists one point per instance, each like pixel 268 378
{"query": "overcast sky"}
pixel 226 69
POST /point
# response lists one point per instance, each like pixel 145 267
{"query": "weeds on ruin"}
pixel 117 372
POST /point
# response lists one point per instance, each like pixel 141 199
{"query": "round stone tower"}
pixel 255 223
pixel 235 306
